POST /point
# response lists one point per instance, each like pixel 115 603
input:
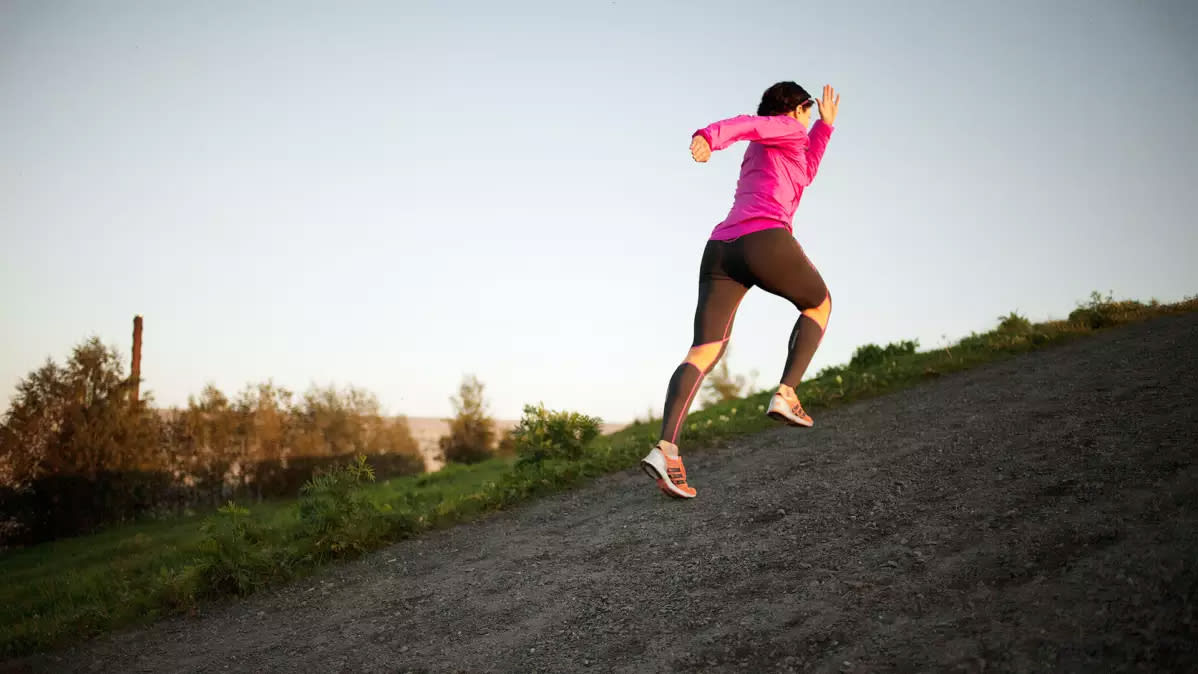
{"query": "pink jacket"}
pixel 781 160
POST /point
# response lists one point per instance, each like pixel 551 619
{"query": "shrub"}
pixel 831 372
pixel 1014 324
pixel 176 588
pixel 471 431
pixel 337 520
pixel 868 355
pixel 546 434
pixel 1102 312
pixel 235 559
pixel 872 355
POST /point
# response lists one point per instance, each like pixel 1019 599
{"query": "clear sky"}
pixel 394 194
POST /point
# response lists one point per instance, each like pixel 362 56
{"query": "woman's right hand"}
pixel 829 105
pixel 700 150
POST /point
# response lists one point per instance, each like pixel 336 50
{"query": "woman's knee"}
pixel 704 356
pixel 821 311
pixel 809 297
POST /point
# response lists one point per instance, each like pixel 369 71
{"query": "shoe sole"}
pixel 789 421
pixel 662 483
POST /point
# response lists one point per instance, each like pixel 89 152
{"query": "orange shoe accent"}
pixel 820 314
pixel 668 472
pixel 676 472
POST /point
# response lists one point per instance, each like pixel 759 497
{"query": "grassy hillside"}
pixel 66 590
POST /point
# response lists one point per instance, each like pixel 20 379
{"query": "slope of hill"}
pixel 1036 513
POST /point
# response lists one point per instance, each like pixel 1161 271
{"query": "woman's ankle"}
pixel 668 448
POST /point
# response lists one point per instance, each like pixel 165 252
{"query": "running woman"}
pixel 754 246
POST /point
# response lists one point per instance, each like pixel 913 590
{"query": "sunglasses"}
pixel 806 105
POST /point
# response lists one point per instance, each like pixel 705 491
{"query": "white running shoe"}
pixel 786 407
pixel 667 471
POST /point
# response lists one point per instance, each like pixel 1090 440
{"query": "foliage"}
pixel 507 444
pixel 75 420
pixel 721 385
pixel 547 434
pixel 1014 324
pixel 77 452
pixel 236 558
pixel 1102 312
pixel 471 431
pixel 872 355
pixel 337 519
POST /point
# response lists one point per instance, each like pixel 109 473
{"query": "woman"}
pixel 754 246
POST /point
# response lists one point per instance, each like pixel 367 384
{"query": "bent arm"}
pixel 766 130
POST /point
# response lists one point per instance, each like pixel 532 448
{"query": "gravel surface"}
pixel 1036 514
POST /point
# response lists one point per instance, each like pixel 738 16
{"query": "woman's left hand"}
pixel 829 105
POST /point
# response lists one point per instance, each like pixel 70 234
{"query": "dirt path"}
pixel 1032 515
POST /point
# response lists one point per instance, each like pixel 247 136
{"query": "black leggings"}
pixel 771 259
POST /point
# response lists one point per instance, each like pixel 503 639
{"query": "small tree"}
pixel 395 437
pixel 263 421
pixel 721 385
pixel 32 424
pixel 206 436
pixel 471 432
pixel 76 420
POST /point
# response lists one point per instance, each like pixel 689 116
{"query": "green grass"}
pixel 60 592
pixel 55 592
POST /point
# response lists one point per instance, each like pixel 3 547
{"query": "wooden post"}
pixel 136 374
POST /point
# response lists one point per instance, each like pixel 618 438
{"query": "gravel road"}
pixel 1036 514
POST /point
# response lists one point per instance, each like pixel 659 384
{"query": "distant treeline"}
pixel 77 452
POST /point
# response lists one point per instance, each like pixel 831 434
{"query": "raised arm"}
pixel 821 131
pixel 810 156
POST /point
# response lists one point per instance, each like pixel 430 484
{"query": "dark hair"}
pixel 781 98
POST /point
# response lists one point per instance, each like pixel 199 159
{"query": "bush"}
pixel 831 372
pixel 872 355
pixel 336 518
pixel 471 431
pixel 1014 324
pixel 1103 312
pixel 236 558
pixel 177 588
pixel 868 355
pixel 546 434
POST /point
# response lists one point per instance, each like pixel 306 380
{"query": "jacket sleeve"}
pixel 817 142
pixel 766 130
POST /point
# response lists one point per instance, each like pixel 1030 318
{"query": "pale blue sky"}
pixel 393 194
